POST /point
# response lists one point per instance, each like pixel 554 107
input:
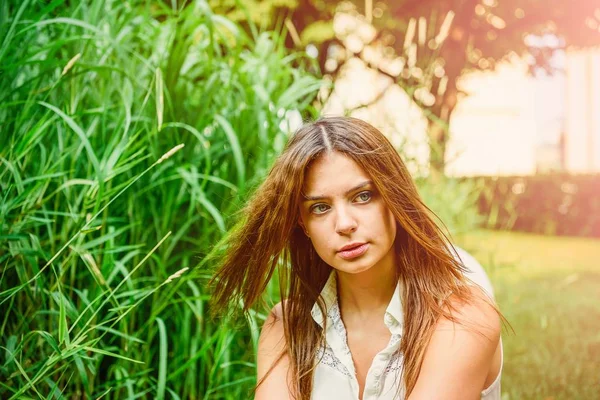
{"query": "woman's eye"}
pixel 364 196
pixel 319 208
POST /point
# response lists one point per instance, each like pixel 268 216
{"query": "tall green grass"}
pixel 130 131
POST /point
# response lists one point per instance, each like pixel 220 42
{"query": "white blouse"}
pixel 335 377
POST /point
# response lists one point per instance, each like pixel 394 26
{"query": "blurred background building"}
pixel 582 112
pixel 516 124
pixel 508 122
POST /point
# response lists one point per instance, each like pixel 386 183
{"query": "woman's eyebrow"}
pixel 320 197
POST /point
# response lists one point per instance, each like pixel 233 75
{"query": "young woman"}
pixel 378 303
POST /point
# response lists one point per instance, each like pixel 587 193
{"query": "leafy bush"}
pixel 454 202
pixel 548 204
pixel 102 210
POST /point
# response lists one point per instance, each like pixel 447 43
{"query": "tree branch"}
pixel 374 100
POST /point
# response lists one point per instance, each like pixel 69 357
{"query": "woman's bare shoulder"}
pixel 272 335
pixel 461 351
pixel 273 325
pixel 272 359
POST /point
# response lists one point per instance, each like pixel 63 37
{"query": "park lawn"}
pixel 548 288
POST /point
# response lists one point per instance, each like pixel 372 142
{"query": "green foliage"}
pixel 317 32
pixel 553 204
pixel 102 209
pixel 453 201
pixel 254 11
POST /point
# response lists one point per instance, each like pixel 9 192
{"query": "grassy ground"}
pixel 549 290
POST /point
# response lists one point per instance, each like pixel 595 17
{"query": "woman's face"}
pixel 349 224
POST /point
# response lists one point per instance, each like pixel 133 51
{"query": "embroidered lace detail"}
pixel 394 340
pixel 326 356
pixel 335 318
pixel 395 363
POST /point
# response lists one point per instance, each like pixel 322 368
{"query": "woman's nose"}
pixel 345 221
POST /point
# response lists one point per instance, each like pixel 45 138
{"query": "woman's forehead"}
pixel 332 173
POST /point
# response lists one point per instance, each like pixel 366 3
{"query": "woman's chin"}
pixel 353 268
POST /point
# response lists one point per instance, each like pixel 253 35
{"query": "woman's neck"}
pixel 366 295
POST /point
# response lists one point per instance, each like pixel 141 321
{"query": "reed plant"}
pixel 130 133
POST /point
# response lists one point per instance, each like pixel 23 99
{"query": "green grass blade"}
pixel 82 136
pixel 162 359
pixel 110 354
pixel 238 157
pixel 11 31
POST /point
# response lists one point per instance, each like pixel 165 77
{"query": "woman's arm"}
pixel 270 346
pixel 460 356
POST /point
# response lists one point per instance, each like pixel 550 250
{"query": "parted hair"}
pixel 268 238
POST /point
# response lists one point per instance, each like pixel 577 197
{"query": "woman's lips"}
pixel 354 252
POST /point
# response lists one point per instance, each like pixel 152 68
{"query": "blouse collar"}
pixel 393 319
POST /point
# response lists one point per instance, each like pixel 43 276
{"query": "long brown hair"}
pixel 269 236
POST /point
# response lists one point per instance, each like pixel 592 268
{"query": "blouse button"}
pixel 389 320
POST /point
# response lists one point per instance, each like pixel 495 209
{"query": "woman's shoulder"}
pixel 273 326
pixel 272 360
pixel 272 335
pixel 461 352
pixel 478 312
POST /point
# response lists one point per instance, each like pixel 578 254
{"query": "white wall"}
pixel 493 130
pixel 583 111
